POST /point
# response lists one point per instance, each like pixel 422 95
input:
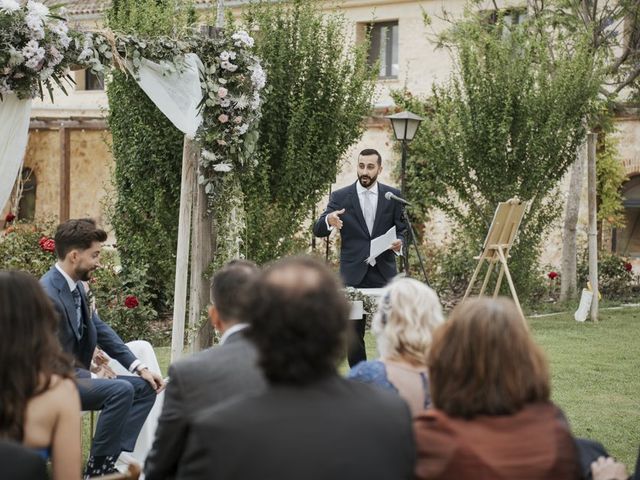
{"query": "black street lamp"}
pixel 405 125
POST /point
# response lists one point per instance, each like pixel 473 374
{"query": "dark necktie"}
pixel 78 303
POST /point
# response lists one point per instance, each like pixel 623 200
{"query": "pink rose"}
pixel 222 92
pixel 238 120
pixel 222 118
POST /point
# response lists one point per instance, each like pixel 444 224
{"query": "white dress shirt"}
pixel 360 190
pixel 72 286
pixel 231 330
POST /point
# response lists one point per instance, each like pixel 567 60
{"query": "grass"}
pixel 595 371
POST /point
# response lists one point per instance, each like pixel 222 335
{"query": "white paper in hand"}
pixel 381 244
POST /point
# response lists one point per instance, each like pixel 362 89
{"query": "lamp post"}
pixel 405 125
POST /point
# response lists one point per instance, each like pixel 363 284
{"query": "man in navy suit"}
pixel 125 401
pixel 361 212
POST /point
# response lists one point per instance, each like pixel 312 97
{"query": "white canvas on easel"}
pixel 500 238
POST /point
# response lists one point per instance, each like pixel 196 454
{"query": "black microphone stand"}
pixel 410 238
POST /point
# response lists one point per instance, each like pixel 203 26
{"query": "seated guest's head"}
pixel 483 361
pixel 230 287
pixel 298 321
pixel 78 245
pixel 408 313
pixel 30 353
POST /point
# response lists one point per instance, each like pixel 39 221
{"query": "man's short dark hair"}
pixel 298 321
pixel 370 151
pixel 230 289
pixel 77 233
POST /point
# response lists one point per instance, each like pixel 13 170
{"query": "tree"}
pixel 318 94
pixel 507 124
pixel 613 30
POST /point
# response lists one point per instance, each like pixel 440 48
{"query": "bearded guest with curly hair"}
pixel 39 402
pixel 309 423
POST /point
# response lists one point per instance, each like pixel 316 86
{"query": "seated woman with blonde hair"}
pixel 492 417
pixel 39 402
pixel 408 313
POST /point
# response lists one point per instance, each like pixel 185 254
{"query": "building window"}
pixel 627 239
pixel 514 16
pixel 93 81
pixel 27 203
pixel 383 48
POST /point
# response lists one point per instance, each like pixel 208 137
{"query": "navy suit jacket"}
pixel 94 331
pixel 355 234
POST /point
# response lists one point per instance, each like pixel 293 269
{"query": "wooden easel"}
pixel 502 233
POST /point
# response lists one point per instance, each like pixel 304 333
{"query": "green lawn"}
pixel 595 372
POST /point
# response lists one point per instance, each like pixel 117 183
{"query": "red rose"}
pixel 131 301
pixel 47 244
pixel 553 275
pixel 628 267
pixel 10 217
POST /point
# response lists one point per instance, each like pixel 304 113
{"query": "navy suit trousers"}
pixel 125 402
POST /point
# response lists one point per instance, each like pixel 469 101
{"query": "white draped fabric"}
pixel 14 133
pixel 177 95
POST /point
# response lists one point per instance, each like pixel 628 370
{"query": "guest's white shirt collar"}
pixel 231 330
pixel 72 285
pixel 360 189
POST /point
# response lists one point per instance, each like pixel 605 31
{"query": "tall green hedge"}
pixel 148 150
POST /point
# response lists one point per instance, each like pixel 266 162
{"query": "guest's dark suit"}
pixel 196 383
pixel 125 401
pixel 331 429
pixel 355 242
pixel 21 463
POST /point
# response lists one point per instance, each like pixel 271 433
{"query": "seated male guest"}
pixel 212 376
pixel 125 401
pixel 310 423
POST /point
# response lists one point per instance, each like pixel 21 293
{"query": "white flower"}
pixel 241 102
pixel 34 63
pixel 241 37
pixel 61 30
pixel 226 103
pixel 232 55
pixel 256 102
pixel 37 9
pixel 226 65
pixel 15 57
pixel 36 25
pixel 207 155
pixel 31 49
pixel 45 73
pixel 224 56
pixel 9 6
pixel 242 129
pixel 258 76
pixel 223 167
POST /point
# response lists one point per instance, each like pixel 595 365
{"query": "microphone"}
pixel 391 196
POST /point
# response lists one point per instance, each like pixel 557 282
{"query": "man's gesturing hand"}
pixel 333 219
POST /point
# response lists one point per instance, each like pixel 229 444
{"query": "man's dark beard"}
pixel 372 180
pixel 85 275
